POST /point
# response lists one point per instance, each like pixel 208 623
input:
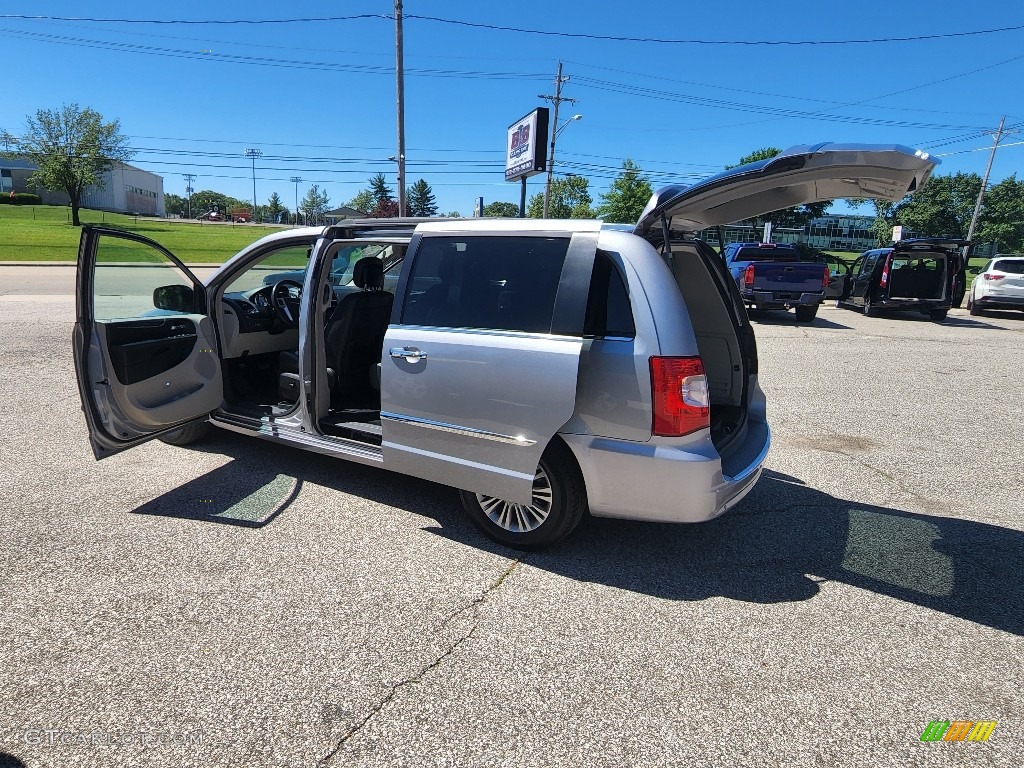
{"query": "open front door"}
pixel 480 361
pixel 145 350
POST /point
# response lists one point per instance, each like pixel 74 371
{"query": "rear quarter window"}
pixel 609 313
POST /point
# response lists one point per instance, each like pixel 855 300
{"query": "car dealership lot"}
pixel 249 604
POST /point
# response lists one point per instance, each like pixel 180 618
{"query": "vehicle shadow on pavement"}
pixel 8 760
pixel 788 318
pixel 777 545
pixel 786 537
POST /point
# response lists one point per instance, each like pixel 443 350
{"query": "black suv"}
pixel 922 275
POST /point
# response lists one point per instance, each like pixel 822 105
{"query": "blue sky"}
pixel 318 98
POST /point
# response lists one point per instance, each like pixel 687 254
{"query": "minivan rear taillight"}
pixel 885 274
pixel 679 396
pixel 748 275
pixel 826 278
pixel 993 277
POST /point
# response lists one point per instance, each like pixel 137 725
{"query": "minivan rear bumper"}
pixel 659 481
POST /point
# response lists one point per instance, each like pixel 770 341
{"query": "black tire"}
pixel 187 435
pixel 938 315
pixel 806 313
pixel 568 504
pixel 870 310
pixel 972 307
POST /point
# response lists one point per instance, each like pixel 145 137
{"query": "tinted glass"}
pixel 500 283
pixel 1010 266
pixel 767 254
pixel 608 310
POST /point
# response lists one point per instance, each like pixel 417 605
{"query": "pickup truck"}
pixel 773 276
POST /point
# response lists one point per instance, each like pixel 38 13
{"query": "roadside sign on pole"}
pixel 897 233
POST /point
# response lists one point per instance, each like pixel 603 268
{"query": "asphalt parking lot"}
pixel 246 604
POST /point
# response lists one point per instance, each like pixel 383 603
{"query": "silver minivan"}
pixel 545 368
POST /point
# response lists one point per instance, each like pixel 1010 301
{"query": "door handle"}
pixel 409 354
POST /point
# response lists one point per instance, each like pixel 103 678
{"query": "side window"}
pixel 127 273
pixel 608 309
pixel 499 283
pixel 868 265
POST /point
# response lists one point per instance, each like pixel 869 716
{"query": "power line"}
pixel 520 30
pixel 319 66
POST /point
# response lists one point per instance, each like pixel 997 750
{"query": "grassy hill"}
pixel 44 233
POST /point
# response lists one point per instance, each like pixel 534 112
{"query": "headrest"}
pixel 369 273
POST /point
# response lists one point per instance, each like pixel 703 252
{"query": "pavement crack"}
pixel 473 608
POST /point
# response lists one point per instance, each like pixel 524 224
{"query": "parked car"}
pixel 1000 285
pixel 544 368
pixel 772 276
pixel 917 275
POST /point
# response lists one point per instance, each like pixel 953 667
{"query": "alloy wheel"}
pixel 521 518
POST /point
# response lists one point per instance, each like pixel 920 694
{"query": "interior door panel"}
pixel 180 380
pixel 141 349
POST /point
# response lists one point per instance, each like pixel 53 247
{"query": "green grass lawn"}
pixel 45 233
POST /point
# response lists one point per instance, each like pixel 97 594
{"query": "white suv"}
pixel 999 286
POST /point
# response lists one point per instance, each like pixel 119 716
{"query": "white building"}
pixel 126 189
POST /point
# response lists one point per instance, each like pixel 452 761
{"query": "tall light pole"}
pixel 988 169
pixel 551 157
pixel 189 178
pixel 253 153
pixel 295 180
pixel 555 130
pixel 400 92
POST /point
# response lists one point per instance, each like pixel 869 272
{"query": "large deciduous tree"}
pixel 941 208
pixel 625 199
pixel 569 199
pixel 798 215
pixel 363 201
pixel 72 147
pixel 314 205
pixel 421 200
pixel 1002 216
pixel 510 210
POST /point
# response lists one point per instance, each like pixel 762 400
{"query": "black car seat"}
pixel 354 339
pixel 355 334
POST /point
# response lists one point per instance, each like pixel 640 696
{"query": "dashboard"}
pixel 253 310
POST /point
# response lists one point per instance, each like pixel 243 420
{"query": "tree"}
pixel 72 148
pixel 421 200
pixel 625 199
pixel 207 200
pixel 175 204
pixel 570 199
pixel 797 216
pixel 274 207
pixel 315 204
pixel 380 190
pixel 454 215
pixel 941 208
pixel 1002 216
pixel 510 210
pixel 386 209
pixel 363 201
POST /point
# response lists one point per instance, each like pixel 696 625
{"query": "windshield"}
pixel 288 263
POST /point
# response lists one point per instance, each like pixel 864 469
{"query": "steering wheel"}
pixel 286 298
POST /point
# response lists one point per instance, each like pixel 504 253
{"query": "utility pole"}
pixel 984 183
pixel 253 153
pixel 295 180
pixel 556 100
pixel 400 89
pixel 189 178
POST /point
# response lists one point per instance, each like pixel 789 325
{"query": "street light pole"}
pixel 253 153
pixel 295 180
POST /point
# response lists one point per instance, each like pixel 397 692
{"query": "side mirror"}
pixel 176 298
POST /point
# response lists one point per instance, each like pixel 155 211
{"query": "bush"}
pixel 21 198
